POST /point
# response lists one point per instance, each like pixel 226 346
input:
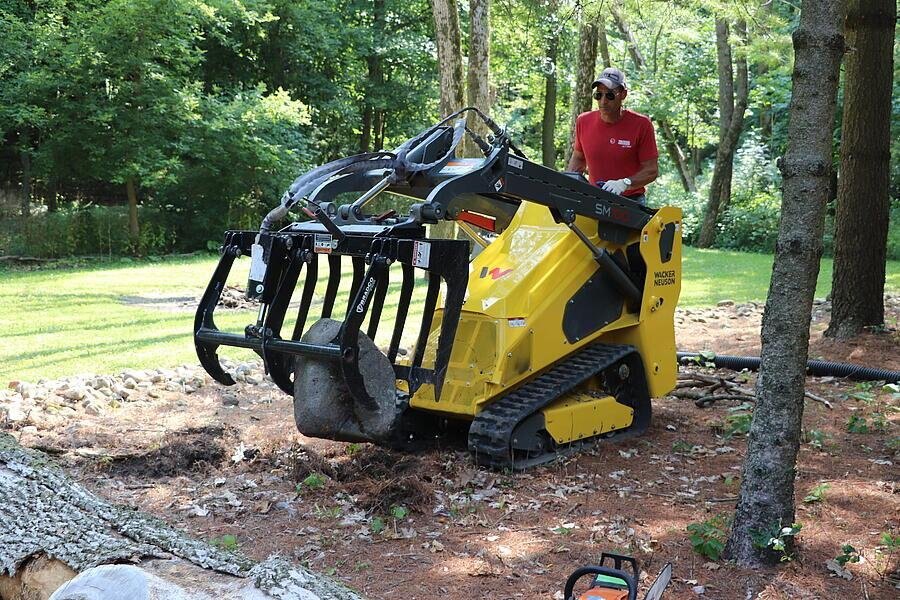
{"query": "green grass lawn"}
pixel 75 320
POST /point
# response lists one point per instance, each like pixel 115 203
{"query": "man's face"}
pixel 609 101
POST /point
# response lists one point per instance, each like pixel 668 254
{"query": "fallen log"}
pixel 60 541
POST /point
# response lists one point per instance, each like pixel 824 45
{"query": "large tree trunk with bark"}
pixel 478 77
pixel 767 485
pixel 603 42
pixel 373 112
pixel 732 104
pixel 863 200
pixel 548 122
pixel 56 535
pixel 668 135
pixel 449 51
pixel 587 60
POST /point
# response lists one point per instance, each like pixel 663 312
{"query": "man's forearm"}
pixel 646 174
pixel 577 164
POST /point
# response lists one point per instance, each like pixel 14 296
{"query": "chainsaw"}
pixel 614 582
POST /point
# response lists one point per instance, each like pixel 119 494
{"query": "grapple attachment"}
pixel 373 254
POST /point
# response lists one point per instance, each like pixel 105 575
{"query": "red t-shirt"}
pixel 615 150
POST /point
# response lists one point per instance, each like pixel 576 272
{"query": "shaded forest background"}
pixel 199 114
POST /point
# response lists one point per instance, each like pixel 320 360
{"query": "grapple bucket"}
pixel 373 254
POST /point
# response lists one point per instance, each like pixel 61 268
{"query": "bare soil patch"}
pixel 217 461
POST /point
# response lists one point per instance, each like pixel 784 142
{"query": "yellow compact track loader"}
pixel 550 327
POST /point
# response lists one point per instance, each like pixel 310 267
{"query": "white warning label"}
pixel 257 264
pixel 421 254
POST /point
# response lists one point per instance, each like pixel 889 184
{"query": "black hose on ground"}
pixel 818 368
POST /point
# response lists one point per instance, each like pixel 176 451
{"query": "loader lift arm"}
pixel 488 192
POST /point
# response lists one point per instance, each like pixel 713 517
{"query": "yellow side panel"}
pixel 655 336
pixel 511 326
pixel 576 417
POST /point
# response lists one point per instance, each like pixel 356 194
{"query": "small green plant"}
pixel 880 422
pixel 681 447
pixel 353 448
pixel 313 481
pixel 777 539
pixel 738 423
pixel 227 542
pixel 376 525
pixel 399 512
pixel 848 554
pixel 815 438
pixel 708 537
pixel 817 494
pixel 562 529
pixel 857 424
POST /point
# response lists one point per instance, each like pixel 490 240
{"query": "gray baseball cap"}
pixel 611 78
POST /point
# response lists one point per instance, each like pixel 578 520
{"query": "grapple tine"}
pixel 349 334
pixel 334 280
pixel 359 269
pixel 434 286
pixel 456 276
pixel 280 365
pixel 406 290
pixel 207 352
pixel 309 289
pixel 378 302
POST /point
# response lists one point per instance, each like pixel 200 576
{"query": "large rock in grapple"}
pixel 323 405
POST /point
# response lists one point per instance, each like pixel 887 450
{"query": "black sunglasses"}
pixel 609 95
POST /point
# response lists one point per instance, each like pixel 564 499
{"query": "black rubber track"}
pixel 490 435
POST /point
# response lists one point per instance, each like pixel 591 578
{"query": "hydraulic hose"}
pixel 818 368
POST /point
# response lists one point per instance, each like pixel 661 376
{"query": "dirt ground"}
pixel 221 462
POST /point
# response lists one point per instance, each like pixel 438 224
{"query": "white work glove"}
pixel 617 186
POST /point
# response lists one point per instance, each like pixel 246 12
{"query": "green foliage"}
pixel 778 539
pixel 738 421
pixel 227 542
pixel 708 537
pixel 376 524
pixel 817 493
pixel 313 481
pixel 815 438
pixel 848 554
pixel 857 424
pixel 399 512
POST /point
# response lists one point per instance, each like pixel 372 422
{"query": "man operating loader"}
pixel 617 145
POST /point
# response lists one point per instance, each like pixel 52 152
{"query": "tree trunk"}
pixel 134 230
pixel 732 104
pixel 548 122
pixel 767 485
pixel 669 138
pixel 25 156
pixel 633 50
pixel 365 138
pixel 53 516
pixel 449 51
pixel 478 77
pixel 863 202
pixel 677 157
pixel 581 92
pixel 604 44
pixel 372 112
pixel 52 193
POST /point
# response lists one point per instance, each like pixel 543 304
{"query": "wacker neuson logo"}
pixel 370 285
pixel 664 277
